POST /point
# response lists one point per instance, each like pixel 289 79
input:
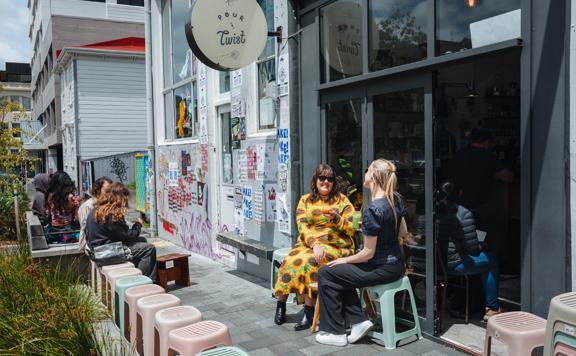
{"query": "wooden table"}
pixel 178 271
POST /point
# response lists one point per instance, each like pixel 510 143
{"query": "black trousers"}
pixel 339 300
pixel 144 258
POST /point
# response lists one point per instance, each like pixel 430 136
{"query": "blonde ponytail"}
pixel 384 176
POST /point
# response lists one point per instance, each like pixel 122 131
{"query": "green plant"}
pixel 7 216
pixel 131 186
pixel 48 310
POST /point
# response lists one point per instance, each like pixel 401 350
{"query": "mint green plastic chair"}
pixel 277 259
pixel 224 351
pixel 561 338
pixel 384 295
pixel 121 285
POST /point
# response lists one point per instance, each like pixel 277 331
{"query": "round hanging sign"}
pixel 227 34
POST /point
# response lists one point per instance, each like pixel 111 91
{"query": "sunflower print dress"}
pixel 300 268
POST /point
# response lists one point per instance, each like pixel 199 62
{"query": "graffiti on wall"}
pixel 182 193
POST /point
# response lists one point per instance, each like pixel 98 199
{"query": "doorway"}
pixel 421 123
pixel 225 170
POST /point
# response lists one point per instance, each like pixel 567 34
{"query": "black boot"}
pixel 307 316
pixel 280 316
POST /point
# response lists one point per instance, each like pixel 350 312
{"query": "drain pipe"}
pixel 151 135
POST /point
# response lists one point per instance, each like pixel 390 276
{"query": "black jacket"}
pixel 101 234
pixel 457 236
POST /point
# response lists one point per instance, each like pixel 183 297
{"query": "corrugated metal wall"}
pixel 112 106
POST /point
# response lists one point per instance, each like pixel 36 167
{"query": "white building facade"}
pixel 224 142
pixel 56 24
pixel 102 101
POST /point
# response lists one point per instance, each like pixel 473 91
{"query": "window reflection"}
pixel 341 40
pixel 183 61
pixel 397 32
pixel 267 94
pixel 344 128
pixel 469 24
pixel 185 112
pixel 268 9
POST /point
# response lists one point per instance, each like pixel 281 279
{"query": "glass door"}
pixel 399 129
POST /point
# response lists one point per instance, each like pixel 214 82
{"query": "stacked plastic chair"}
pixel 561 326
pixel 521 332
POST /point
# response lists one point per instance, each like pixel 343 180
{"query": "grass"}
pixel 48 311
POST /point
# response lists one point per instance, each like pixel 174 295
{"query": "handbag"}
pixel 111 254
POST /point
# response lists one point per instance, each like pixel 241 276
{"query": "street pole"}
pixel 16 213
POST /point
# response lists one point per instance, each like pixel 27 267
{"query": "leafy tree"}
pixel 13 159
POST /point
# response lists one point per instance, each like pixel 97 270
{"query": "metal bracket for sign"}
pixel 277 34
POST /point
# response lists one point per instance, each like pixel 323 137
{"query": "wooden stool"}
pixel 178 271
pixel 311 288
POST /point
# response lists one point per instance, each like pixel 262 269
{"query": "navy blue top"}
pixel 378 220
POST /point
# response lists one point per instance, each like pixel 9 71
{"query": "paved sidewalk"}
pixel 244 303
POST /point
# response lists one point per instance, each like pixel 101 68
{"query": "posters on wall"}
pixel 270 191
pixel 258 205
pixel 282 177
pixel 238 217
pixel 236 76
pixel 283 213
pixel 242 166
pixel 203 106
pixel 251 162
pixel 247 206
pixel 283 146
pixel 283 74
pixel 260 162
pixel 173 174
pixel 284 112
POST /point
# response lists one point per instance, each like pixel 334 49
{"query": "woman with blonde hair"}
pixel 105 224
pixel 379 262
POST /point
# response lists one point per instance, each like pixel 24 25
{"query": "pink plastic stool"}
pixel 113 276
pixel 104 271
pixel 146 309
pixel 198 337
pixel 170 319
pixel 130 298
pixel 521 332
pixel 564 350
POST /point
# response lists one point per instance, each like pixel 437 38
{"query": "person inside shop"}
pixel 41 182
pixel 379 262
pixel 99 186
pixel 326 232
pixel 62 204
pixel 475 171
pixel 460 249
pixel 106 224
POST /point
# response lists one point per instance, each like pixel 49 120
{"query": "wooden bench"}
pixel 246 245
pixel 173 267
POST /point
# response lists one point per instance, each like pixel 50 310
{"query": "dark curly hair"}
pixel 60 186
pixel 98 184
pixel 324 170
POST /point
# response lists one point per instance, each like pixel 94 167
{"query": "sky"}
pixel 14 42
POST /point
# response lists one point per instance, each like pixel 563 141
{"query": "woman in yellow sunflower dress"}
pixel 326 232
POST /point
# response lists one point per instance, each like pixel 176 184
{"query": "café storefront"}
pixel 408 80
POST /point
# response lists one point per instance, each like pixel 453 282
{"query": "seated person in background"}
pixel 379 262
pixel 324 219
pixel 105 224
pixel 99 186
pixel 41 182
pixel 458 242
pixel 62 209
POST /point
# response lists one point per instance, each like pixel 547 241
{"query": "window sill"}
pixel 266 133
pixel 184 141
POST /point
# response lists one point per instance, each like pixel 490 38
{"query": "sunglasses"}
pixel 326 179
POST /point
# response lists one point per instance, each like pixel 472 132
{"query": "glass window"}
pixel 26 103
pixel 16 129
pixel 475 23
pixel 182 58
pixel 227 160
pixel 268 9
pixel 267 94
pixel 131 2
pixel 224 82
pixel 183 123
pixel 15 99
pixel 341 40
pixel 397 32
pixel 344 129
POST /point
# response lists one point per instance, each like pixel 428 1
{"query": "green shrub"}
pixel 47 311
pixel 7 217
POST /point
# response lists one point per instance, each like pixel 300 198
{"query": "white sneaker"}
pixel 359 330
pixel 331 339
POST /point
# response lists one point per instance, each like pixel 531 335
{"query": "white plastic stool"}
pixel 113 276
pixel 131 297
pixel 146 309
pixel 170 319
pixel 104 270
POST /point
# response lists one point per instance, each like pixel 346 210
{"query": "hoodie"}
pixel 38 208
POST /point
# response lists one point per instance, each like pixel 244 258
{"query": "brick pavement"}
pixel 244 303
